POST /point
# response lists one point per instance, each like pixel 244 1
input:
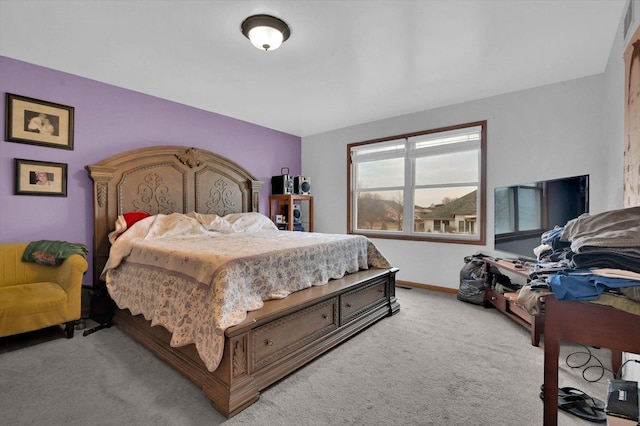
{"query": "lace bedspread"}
pixel 198 275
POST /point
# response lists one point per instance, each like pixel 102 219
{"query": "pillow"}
pixel 133 217
pixel 124 222
pixel 250 222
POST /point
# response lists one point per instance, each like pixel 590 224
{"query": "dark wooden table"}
pixel 589 324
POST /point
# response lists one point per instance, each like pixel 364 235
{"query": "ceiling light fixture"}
pixel 266 32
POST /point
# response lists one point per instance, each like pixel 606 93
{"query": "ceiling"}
pixel 347 62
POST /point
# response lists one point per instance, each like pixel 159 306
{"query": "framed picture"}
pixel 40 178
pixel 38 122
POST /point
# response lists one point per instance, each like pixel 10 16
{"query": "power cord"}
pixel 619 375
pixel 599 365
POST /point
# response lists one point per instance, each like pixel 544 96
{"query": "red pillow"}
pixel 124 222
pixel 133 217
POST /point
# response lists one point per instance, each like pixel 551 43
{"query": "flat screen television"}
pixel 523 212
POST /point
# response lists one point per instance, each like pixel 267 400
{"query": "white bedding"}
pixel 197 275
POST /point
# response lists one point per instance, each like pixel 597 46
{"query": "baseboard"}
pixel 401 283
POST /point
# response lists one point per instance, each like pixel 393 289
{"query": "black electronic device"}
pixel 302 185
pixel 558 200
pixel 297 218
pixel 101 308
pixel 297 213
pixel 282 184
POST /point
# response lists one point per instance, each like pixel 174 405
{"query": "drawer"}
pixel 496 299
pixel 353 303
pixel 287 334
pixel 519 311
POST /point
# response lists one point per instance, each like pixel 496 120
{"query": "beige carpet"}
pixel 439 361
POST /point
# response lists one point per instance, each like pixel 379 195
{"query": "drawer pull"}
pixel 269 342
pixel 349 305
pixel 494 298
pixel 325 316
pixel 381 290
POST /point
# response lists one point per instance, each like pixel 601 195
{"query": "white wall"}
pixel 566 129
pixel 543 133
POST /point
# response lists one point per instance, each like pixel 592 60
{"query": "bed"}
pixel 276 336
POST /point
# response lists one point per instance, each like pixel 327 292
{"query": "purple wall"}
pixel 109 120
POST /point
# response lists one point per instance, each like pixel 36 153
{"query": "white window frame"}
pixel 411 147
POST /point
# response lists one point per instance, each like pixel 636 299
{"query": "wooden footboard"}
pixel 276 340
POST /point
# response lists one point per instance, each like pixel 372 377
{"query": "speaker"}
pixel 302 185
pixel 297 218
pixel 297 213
pixel 282 184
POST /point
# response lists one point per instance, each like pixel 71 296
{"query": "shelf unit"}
pixel 509 307
pixel 277 202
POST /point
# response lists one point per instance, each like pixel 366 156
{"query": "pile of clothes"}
pixel 593 254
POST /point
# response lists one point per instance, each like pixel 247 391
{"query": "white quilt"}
pixel 197 275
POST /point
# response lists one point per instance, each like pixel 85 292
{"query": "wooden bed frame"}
pixel 272 342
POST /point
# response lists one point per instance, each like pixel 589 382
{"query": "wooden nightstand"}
pixel 284 205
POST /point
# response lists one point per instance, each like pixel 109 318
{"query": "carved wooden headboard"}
pixel 165 179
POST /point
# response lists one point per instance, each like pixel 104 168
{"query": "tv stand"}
pixel 507 305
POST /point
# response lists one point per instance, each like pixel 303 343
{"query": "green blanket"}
pixel 52 253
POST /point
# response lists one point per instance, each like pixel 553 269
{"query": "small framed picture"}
pixel 38 122
pixel 40 178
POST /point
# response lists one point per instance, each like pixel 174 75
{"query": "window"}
pixel 438 172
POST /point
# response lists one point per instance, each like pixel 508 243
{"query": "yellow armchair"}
pixel 34 296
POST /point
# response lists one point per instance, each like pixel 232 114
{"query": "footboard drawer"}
pixel 283 336
pixel 353 303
